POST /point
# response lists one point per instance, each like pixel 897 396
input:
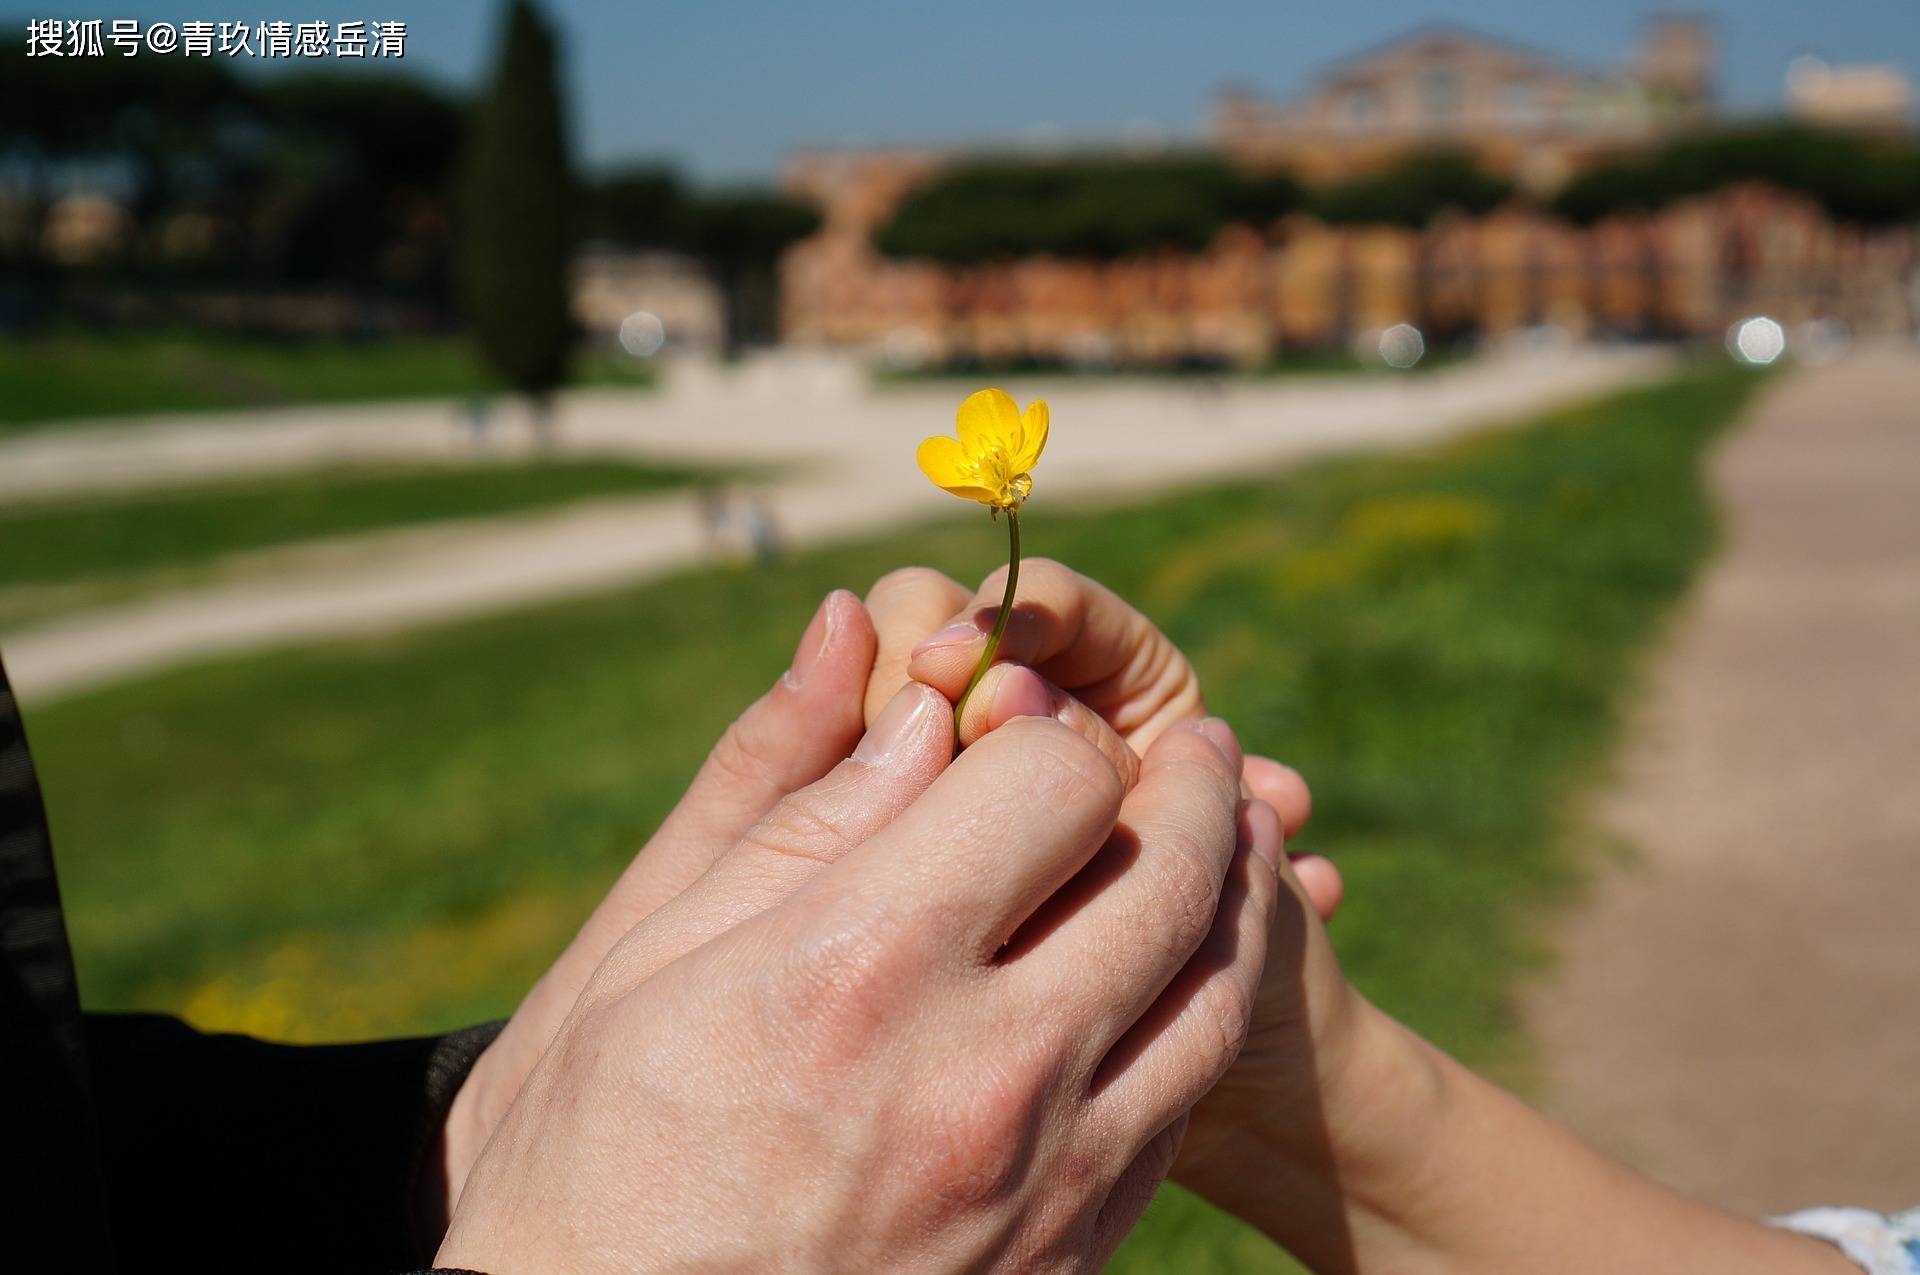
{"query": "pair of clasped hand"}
pixel 863 1003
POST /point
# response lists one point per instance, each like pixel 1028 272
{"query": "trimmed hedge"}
pixel 1855 179
pixel 1104 207
pixel 1413 191
pixel 1098 208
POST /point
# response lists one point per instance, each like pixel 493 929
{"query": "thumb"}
pixel 909 744
pixel 790 737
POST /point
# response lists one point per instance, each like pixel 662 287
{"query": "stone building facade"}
pixel 1523 114
pixel 1685 271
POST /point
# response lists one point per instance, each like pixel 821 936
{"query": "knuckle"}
pixel 1175 686
pixel 1157 1159
pixel 1120 755
pixel 1079 1179
pixel 1264 887
pixel 1059 764
pixel 832 992
pixel 803 826
pixel 1226 1011
pixel 1165 687
pixel 1193 845
pixel 744 755
pixel 976 1140
pixel 1192 895
pixel 1192 797
pixel 1060 587
pixel 1048 572
pixel 904 582
pixel 588 1038
pixel 1164 667
pixel 1130 1195
pixel 1192 764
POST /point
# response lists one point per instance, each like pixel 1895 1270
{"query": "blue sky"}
pixel 726 88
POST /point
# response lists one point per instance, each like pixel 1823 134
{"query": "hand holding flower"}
pixel 991 462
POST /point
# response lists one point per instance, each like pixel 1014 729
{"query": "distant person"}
pixel 711 501
pixel 542 420
pixel 738 527
pixel 477 412
pixel 763 533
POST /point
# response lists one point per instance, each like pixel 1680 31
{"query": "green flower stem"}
pixel 999 623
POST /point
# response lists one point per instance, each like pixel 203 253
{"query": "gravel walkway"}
pixel 1737 1005
pixel 843 455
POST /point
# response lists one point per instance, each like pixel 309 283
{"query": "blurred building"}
pixel 1683 271
pixel 1686 271
pixel 612 284
pixel 1872 96
pixel 82 228
pixel 1522 113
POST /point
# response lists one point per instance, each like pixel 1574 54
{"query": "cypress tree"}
pixel 517 214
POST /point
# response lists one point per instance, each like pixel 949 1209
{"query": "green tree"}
pixel 1415 190
pixel 517 209
pixel 1854 178
pixel 165 122
pixel 740 236
pixel 356 182
pixel 1095 207
pixel 644 207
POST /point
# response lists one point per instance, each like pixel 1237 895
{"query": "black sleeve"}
pixel 226 1152
pixel 134 1137
pixel 51 1205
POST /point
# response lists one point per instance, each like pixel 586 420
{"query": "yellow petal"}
pixel 1033 436
pixel 988 419
pixel 945 462
pixel 980 494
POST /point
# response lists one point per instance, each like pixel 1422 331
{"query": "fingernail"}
pixel 952 635
pixel 813 641
pixel 1222 737
pixel 902 719
pixel 1020 693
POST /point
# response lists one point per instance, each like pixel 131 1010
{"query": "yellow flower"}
pixel 997 447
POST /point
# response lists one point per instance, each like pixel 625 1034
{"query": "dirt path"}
pixel 1736 1009
pixel 846 458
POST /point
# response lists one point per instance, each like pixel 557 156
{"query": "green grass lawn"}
pixel 397 834
pixel 72 374
pixel 57 557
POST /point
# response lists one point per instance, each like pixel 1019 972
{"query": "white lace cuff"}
pixel 1879 1243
